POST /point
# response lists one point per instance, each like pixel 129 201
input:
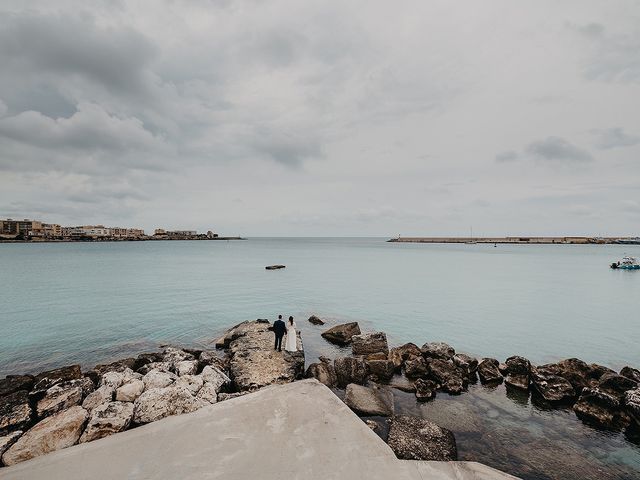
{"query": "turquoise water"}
pixel 87 302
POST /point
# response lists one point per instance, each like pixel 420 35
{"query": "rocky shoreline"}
pixel 62 407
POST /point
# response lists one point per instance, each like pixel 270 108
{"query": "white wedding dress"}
pixel 291 344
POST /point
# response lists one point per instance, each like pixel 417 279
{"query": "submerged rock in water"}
pixel 107 419
pixel 315 320
pixel 616 384
pixel 399 355
pixel 553 388
pixel 447 375
pixel 600 408
pixel 466 364
pixel 254 362
pixel 369 401
pixel 369 343
pixel 53 433
pixel 350 370
pixel 425 389
pixel 323 372
pixel 488 371
pixel 415 367
pixel 402 383
pixel 15 412
pixel 380 370
pixel 414 438
pixel 342 334
pixel 439 350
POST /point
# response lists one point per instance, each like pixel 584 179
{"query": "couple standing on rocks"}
pixel 280 328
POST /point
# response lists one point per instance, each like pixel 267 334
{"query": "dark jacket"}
pixel 279 328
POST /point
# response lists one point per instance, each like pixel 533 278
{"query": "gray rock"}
pixel 228 396
pixel 60 397
pixel 632 404
pixel 13 383
pixel 518 365
pixel 323 372
pixel 402 383
pixel 8 440
pixel 211 357
pixel 113 379
pixel 193 383
pixel 616 384
pixel 107 419
pixel 369 343
pixel 600 408
pixel 315 320
pixel 207 393
pixel 130 391
pixel 414 438
pixel 399 355
pixel 350 370
pixel 186 367
pixel 466 364
pixel 415 367
pixel 101 395
pixel 446 374
pixel 439 350
pixel 15 412
pixel 425 389
pixel 53 433
pixel 158 379
pixel 45 380
pixel 632 373
pixel 342 334
pixel 488 371
pixel 166 367
pixel 215 377
pixel 159 403
pixel 369 401
pixel 553 388
pixel 174 355
pixel 576 372
pixel 381 370
pixel 521 382
pixel 146 358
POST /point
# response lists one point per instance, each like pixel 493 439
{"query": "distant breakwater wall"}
pixel 521 240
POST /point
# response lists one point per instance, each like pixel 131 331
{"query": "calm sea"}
pixel 94 302
pixel 85 302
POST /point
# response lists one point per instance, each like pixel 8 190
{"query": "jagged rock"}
pixel 228 396
pixel 415 367
pixel 446 374
pixel 45 380
pixel 616 384
pixel 577 372
pixel 99 396
pixel 414 438
pixel 350 370
pixel 369 401
pixel 632 373
pixel 207 393
pixel 175 355
pixel 193 383
pixel 8 440
pixel 399 355
pixel 107 419
pixel 425 389
pixel 488 371
pixel 439 350
pixel 342 334
pixel 166 367
pixel 517 372
pixel 372 425
pixel 15 412
pixel 159 403
pixel 254 362
pixel 13 383
pixel 632 404
pixel 324 359
pixel 315 320
pixel 502 368
pixel 368 343
pixel 53 433
pixel 376 356
pixel 598 371
pixel 402 383
pixel 116 379
pixel 553 388
pixel 211 357
pixel 158 379
pixel 598 407
pixel 215 377
pixel 146 358
pixel 521 382
pixel 382 370
pixel 117 366
pixel 130 391
pixel 60 397
pixel 323 372
pixel 186 367
pixel 466 364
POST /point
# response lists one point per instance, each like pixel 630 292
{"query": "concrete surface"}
pixel 295 431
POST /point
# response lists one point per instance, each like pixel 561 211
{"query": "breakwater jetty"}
pixel 523 240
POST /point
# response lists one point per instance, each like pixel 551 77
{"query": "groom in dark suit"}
pixel 279 328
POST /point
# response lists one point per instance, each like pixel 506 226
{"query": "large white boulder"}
pixel 193 383
pixel 159 403
pixel 186 367
pixel 216 377
pixel 130 391
pixel 107 419
pixel 158 379
pixel 99 396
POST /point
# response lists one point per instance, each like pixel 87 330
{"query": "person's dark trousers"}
pixel 279 342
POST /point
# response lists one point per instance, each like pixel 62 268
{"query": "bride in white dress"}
pixel 291 344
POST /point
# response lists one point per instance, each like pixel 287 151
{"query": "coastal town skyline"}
pixel 340 120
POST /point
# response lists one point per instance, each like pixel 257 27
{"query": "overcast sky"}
pixel 323 118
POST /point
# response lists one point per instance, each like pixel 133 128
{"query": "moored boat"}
pixel 627 263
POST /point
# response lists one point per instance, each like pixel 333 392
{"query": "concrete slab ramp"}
pixel 296 431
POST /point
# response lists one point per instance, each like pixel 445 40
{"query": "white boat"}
pixel 627 263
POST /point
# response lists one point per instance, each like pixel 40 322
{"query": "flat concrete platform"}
pixel 296 431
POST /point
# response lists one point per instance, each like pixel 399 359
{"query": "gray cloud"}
pixel 615 137
pixel 507 156
pixel 556 149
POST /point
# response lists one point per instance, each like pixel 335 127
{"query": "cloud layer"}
pixel 322 118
